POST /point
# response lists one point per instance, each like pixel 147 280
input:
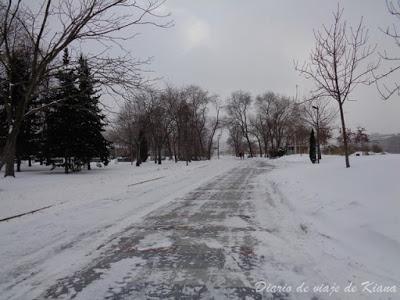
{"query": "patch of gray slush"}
pixel 198 247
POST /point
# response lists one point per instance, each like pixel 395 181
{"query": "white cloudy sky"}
pixel 227 45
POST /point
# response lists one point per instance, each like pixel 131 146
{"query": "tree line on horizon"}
pixel 178 123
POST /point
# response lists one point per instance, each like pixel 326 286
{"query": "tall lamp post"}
pixel 318 146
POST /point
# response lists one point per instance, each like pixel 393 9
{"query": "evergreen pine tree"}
pixel 75 125
pixel 313 152
pixel 91 118
pixel 63 120
pixel 29 138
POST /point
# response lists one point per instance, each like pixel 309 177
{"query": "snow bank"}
pixel 352 215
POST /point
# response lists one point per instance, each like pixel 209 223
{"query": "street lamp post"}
pixel 318 146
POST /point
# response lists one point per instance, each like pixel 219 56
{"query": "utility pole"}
pixel 318 146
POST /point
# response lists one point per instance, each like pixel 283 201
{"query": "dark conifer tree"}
pixel 63 122
pixel 92 119
pixel 29 138
pixel 75 126
pixel 313 152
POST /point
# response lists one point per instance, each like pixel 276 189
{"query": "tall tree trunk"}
pixel 138 155
pixel 187 152
pixel 9 150
pixel 265 147
pixel 249 144
pixel 159 155
pixel 319 150
pixel 175 153
pixel 211 139
pixel 18 164
pixel 345 143
pixel 209 150
pixel 260 147
pixel 10 168
pixel 132 157
pixel 8 156
pixel 209 147
pixel 201 148
pixel 169 148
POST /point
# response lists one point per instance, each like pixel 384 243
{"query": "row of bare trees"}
pixel 177 123
pixel 271 124
pixel 182 124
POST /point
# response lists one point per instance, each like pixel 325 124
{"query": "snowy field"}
pixel 38 187
pixel 326 224
pixel 88 208
pixel 350 216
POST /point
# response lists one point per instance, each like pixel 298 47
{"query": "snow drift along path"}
pixel 350 217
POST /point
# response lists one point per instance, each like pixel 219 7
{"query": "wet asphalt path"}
pixel 201 246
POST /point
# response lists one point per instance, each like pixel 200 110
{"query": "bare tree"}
pixel 338 64
pixel 159 123
pixel 235 139
pixel 361 139
pixel 275 117
pixel 129 127
pixel 198 100
pixel 319 114
pixel 52 27
pixel 184 129
pixel 238 111
pixel 263 107
pixel 214 126
pixel 388 90
pixel 298 131
pixel 326 114
pixel 171 99
pixel 257 131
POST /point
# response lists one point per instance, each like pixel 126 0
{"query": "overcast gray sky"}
pixel 227 45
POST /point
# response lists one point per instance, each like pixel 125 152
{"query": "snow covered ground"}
pixel 350 217
pixel 279 222
pixel 88 208
pixel 38 187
